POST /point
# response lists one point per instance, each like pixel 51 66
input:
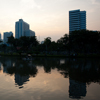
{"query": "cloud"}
pixel 29 4
pixel 25 7
pixel 97 2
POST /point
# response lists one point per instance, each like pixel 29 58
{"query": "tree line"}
pixel 81 41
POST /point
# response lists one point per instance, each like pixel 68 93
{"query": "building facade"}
pixel 6 35
pixel 29 33
pixel 77 20
pixel 0 36
pixel 1 39
pixel 22 29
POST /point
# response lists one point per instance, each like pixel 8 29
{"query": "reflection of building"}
pixel 77 20
pixel 7 64
pixel 77 89
pixel 20 80
pixel 22 29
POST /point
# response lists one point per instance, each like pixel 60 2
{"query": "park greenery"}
pixel 77 42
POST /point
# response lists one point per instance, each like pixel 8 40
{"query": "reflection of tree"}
pixel 79 71
pixel 85 71
pixel 47 63
pixel 82 70
pixel 22 72
pixel 21 69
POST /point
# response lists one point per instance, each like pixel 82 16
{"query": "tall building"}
pixel 0 36
pixel 6 35
pixel 0 39
pixel 77 20
pixel 22 29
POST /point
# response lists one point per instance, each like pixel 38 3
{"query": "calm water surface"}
pixel 49 79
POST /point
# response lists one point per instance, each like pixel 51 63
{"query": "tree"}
pixel 63 42
pixel 33 41
pixel 84 41
pixel 1 41
pixel 4 46
pixel 10 40
pixel 47 43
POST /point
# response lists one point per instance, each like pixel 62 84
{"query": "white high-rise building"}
pixel 6 35
pixel 22 29
pixel 77 20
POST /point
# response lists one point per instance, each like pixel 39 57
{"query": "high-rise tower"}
pixel 77 20
pixel 22 29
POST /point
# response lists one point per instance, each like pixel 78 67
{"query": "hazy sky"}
pixel 47 17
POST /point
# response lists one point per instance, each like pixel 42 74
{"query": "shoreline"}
pixel 48 55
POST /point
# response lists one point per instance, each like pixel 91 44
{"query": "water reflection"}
pixel 81 72
pixel 77 90
pixel 20 69
pixel 85 70
pixel 20 80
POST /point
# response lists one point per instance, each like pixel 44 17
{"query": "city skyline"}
pixel 47 18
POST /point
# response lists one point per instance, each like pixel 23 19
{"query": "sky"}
pixel 48 18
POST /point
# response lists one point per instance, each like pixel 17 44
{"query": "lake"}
pixel 49 79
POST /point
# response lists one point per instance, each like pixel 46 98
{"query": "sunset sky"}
pixel 48 18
